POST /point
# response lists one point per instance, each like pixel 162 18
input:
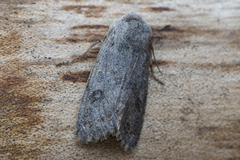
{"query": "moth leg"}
pixel 77 58
pixel 156 79
pixel 152 53
pixel 151 66
pixel 89 48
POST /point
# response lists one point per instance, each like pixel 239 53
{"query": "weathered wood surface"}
pixel 196 115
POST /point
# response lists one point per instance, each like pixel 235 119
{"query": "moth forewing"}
pixel 115 98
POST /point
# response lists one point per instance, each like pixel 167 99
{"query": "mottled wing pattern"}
pixel 115 97
pixel 133 99
pixel 97 116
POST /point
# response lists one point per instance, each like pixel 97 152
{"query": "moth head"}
pixel 132 16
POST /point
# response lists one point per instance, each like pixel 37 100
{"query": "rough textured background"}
pixel 196 115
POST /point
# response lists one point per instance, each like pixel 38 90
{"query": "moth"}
pixel 114 101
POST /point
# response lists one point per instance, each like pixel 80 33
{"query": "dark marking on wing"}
pixel 100 76
pixel 96 97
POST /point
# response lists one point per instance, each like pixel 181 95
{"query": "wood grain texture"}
pixel 196 115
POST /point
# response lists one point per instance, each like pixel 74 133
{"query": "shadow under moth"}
pixel 115 98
